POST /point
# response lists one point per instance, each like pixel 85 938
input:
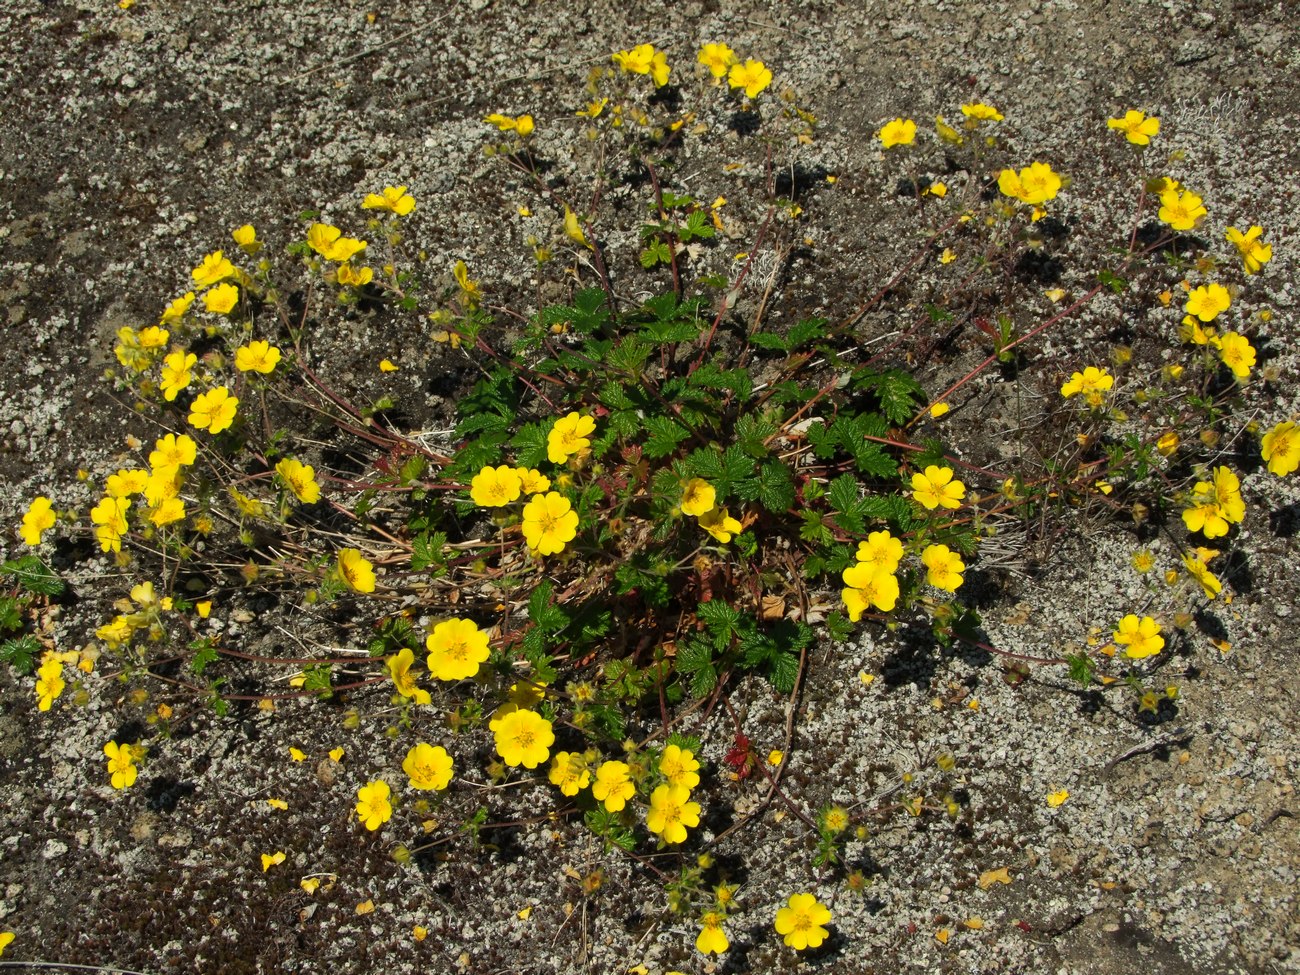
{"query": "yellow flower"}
pixel 373 807
pixel 712 939
pixel 881 550
pixel 328 242
pixel 1136 126
pixel 1281 448
pixel 173 452
pixel 121 769
pixel 167 511
pixel 428 766
pixel 1140 637
pixel 38 520
pixel 109 517
pixel 221 299
pixel 399 669
pixel 354 277
pixel 671 811
pixel 679 768
pixel 524 738
pixel 899 132
pixel 395 199
pixel 161 485
pixel 176 373
pixel 213 410
pixel 1168 443
pixel 1204 513
pixel 569 771
pixel 153 338
pixel 981 112
pixel 1036 183
pixel 1092 382
pixel 1237 353
pixel 1195 562
pixel 1207 301
pixel 569 436
pixel 613 785
pixel 355 571
pixel 549 523
pixel 718 523
pixel 457 648
pixel 697 497
pixel 801 922
pixel 1192 330
pixel 1182 211
pixel 1254 252
pixel 573 230
pixel 717 58
pixel 945 567
pixel 532 481
pixel 214 268
pixel 495 487
pixel 176 309
pixel 246 238
pixel 868 585
pixel 753 76
pixel 644 59
pixel 257 356
pixel 49 685
pixel 936 487
pixel 299 478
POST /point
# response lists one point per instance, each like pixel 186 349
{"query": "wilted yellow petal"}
pixel 974 923
pixel 366 907
pixel 336 754
pixel 942 936
pixel 990 877
pixel 1057 798
pixel 387 365
pixel 419 933
pixel 270 860
pixel 277 803
pixel 297 754
pixel 525 913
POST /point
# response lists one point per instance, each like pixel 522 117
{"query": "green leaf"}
pixel 838 626
pixel 656 253
pixel 542 610
pixel 21 654
pixel 10 616
pixel 770 340
pixel 775 487
pixel 530 443
pixel 808 330
pixel 845 493
pixel 629 356
pixel 813 531
pixel 695 658
pixel 204 654
pixel 319 680
pixel 33 575
pixel 664 436
pixel 899 393
pixel 784 672
pixel 426 550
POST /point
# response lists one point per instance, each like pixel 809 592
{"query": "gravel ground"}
pixel 133 141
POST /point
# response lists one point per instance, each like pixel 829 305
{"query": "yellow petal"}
pixel 336 754
pixel 309 884
pixel 297 754
pixel 525 913
pixel 990 877
pixel 277 803
pixel 387 365
pixel 366 907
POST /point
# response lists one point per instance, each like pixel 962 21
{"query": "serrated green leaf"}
pixel 21 653
pixel 530 443
pixel 426 550
pixel 33 575
pixel 769 340
pixel 664 436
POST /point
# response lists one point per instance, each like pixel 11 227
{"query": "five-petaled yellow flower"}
pixel 1137 127
pixel 801 922
pixel 1140 637
pixel 1237 353
pixel 1182 211
pixel 222 299
pixel 214 268
pixel 944 567
pixel 613 785
pixel 177 308
pixel 355 571
pixel 570 772
pixel 246 238
pixel 495 487
pixel 299 478
pixel 257 356
pixel 549 523
pixel 373 807
pixel 1207 301
pixel 173 452
pixel 121 767
pixel 38 519
pixel 935 488
pixel 1254 252
pixel 49 683
pixel 753 76
pixel 1036 183
pixel 213 410
pixel 868 585
pixel 671 811
pixel 698 496
pixel 881 550
pixel 981 112
pixel 523 737
pixel 569 436
pixel 176 373
pixel 717 58
pixel 899 132
pixel 428 767
pixel 1091 383
pixel 457 648
pixel 328 241
pixel 109 517
pixel 644 59
pixel 679 767
pixel 395 199
pixel 1195 562
pixel 1281 448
